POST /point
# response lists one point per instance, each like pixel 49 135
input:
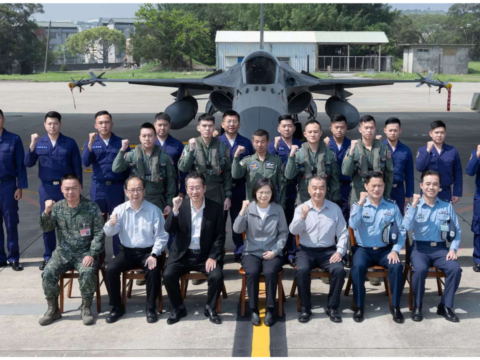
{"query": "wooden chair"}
pixel 317 273
pixel 138 274
pixel 72 274
pixel 373 271
pixel 243 292
pixel 433 272
pixel 199 276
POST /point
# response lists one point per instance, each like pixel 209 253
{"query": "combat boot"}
pixel 53 312
pixel 87 316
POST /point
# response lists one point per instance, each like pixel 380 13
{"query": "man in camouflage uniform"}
pixel 260 165
pixel 313 159
pixel 152 164
pixel 211 157
pixel 80 240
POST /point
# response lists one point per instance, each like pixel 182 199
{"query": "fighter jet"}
pixel 431 82
pixel 260 89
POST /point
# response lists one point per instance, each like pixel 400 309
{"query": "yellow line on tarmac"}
pixel 30 192
pixel 261 334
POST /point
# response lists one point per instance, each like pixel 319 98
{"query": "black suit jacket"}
pixel 212 234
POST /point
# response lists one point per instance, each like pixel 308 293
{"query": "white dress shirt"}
pixel 139 229
pixel 197 217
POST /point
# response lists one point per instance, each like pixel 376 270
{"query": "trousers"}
pixel 9 214
pixel 291 244
pixel 48 191
pixel 476 226
pixel 398 194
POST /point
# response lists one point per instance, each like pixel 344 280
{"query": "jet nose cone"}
pixel 257 117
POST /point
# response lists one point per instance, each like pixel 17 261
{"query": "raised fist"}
pixel 245 205
pixel 33 142
pixel 177 201
pixel 305 210
pixel 478 151
pixel 363 197
pixel 277 142
pixel 192 144
pixel 215 133
pixel 353 145
pixel 430 145
pixel 113 219
pixel 378 137
pixel 240 150
pixel 416 199
pixel 49 206
pixel 327 141
pixel 92 137
pixel 125 144
pixel 293 150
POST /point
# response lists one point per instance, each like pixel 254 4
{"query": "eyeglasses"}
pixel 137 190
pixel 266 193
pixel 234 122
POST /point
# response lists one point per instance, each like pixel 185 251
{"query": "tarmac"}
pixel 22 301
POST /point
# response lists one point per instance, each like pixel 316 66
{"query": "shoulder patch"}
pixel 254 166
pixel 391 200
pixel 227 153
pixel 389 154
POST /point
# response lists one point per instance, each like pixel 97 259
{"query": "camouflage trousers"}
pixel 56 267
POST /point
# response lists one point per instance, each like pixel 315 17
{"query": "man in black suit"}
pixel 199 230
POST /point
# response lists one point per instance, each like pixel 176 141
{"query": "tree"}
pixel 97 42
pixel 18 42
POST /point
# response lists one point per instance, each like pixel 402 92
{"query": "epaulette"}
pixel 391 200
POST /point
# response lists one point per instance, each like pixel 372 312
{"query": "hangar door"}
pixel 449 56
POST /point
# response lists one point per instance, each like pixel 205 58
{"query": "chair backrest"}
pixel 352 236
pixel 243 235
pixel 297 239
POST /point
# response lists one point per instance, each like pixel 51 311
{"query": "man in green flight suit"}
pixel 367 155
pixel 313 159
pixel 211 157
pixel 261 164
pixel 149 162
pixel 80 240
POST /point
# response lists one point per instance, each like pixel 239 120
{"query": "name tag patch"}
pixel 85 232
pixel 42 147
pixel 269 165
pixel 97 147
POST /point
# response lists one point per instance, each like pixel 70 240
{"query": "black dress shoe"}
pixel 304 316
pixel 43 264
pixel 255 319
pixel 176 315
pixel 291 262
pixel 238 259
pixel 115 314
pixel 397 315
pixel 152 316
pixel 417 314
pixel 212 315
pixel 269 319
pixel 16 266
pixel 334 315
pixel 476 267
pixel 358 315
pixel 3 264
pixel 447 313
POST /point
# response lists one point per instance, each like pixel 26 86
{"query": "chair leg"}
pixel 410 295
pixel 294 287
pixel 387 287
pixel 439 286
pixel 224 291
pixel 124 289
pixel 219 304
pixel 102 269
pixel 160 300
pixel 182 287
pixel 186 287
pixel 70 285
pixel 99 296
pixel 243 296
pixel 405 276
pixel 283 294
pixel 349 284
pixel 61 293
pixel 130 287
pixel 385 283
pixel 280 297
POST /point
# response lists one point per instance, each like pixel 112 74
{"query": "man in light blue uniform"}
pixel 99 152
pixel 281 147
pixel 380 236
pixel 13 178
pixel 402 164
pixel 57 155
pixel 473 169
pixel 433 222
pixel 443 158
pixel 231 138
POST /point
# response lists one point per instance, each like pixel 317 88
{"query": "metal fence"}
pixel 355 63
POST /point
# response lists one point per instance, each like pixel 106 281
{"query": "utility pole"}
pixel 46 50
pixel 261 26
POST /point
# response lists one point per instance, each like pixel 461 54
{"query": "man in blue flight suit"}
pixel 57 155
pixel 13 178
pixel 433 222
pixel 402 164
pixel 380 236
pixel 443 158
pixel 99 152
pixel 172 147
pixel 231 138
pixel 473 169
pixel 281 147
pixel 340 147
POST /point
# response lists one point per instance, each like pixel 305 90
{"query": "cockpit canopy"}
pixel 260 68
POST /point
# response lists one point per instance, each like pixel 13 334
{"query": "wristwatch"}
pixel 153 255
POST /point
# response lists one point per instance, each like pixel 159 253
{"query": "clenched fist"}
pixel 91 139
pixel 244 207
pixel 327 141
pixel 113 219
pixel 125 144
pixel 177 201
pixel 478 151
pixel 363 197
pixel 416 199
pixel 215 133
pixel 239 151
pixel 33 141
pixel 277 141
pixel 430 145
pixel 293 150
pixel 353 145
pixel 378 137
pixel 305 210
pixel 49 206
pixel 192 144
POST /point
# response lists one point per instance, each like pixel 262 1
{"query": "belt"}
pixel 53 182
pixel 397 184
pixel 345 183
pixel 441 244
pixel 109 182
pixel 376 247
pixel 194 251
pixel 6 178
pixel 317 249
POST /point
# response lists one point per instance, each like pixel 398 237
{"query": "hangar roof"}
pixel 315 37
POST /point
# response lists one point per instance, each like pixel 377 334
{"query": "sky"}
pixel 82 12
